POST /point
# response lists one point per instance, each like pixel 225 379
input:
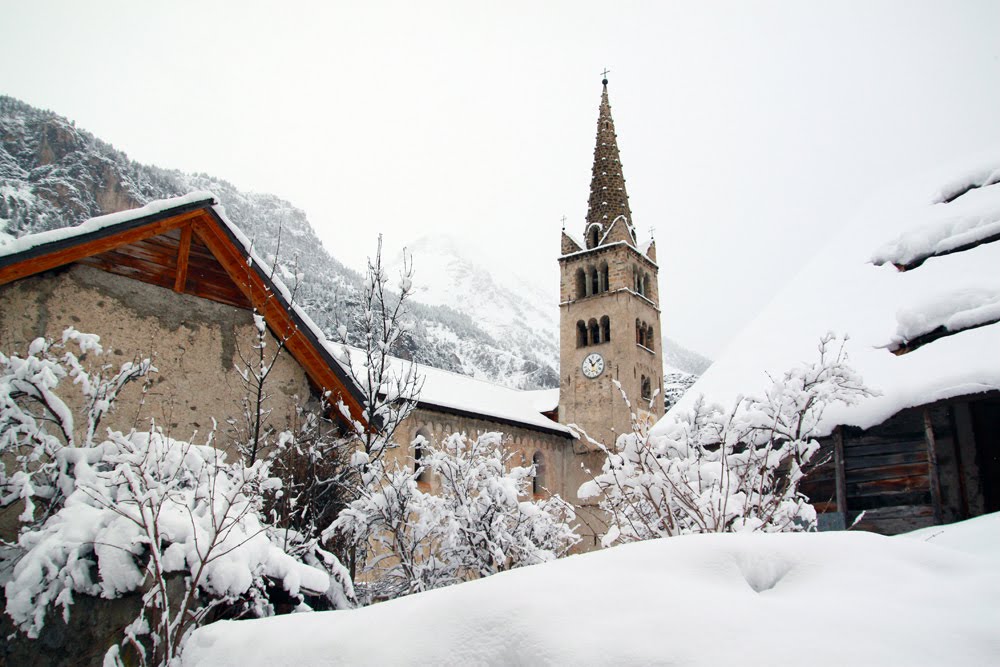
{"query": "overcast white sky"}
pixel 747 129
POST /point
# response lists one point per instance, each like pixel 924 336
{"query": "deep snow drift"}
pixel 927 598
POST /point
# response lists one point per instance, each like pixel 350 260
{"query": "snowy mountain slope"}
pixel 509 308
pixel 52 175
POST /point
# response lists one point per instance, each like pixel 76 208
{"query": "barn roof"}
pixel 219 263
pixel 186 244
pixel 914 281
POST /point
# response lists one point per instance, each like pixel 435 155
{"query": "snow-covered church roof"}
pixel 914 281
pixel 469 396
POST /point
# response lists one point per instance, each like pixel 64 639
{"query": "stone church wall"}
pixel 562 457
pixel 523 442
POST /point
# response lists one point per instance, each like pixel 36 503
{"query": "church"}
pixel 179 280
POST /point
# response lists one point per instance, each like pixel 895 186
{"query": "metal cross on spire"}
pixel 604 76
pixel 564 223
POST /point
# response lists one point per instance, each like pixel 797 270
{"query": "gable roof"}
pixel 919 335
pixel 189 245
pixel 160 243
pixel 453 393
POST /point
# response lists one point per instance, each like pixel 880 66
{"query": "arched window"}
pixel 595 332
pixel 581 334
pixel 595 282
pixel 645 285
pixel 636 279
pixel 592 238
pixel 420 440
pixel 538 481
pixel 604 275
pixel 638 332
pixel 650 337
pixel 647 388
pixel 605 329
pixel 581 284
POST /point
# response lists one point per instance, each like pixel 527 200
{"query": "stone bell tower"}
pixel 609 307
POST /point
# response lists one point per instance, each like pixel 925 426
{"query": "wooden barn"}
pixel 914 283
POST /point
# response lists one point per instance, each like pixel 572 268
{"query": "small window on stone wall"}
pixel 538 481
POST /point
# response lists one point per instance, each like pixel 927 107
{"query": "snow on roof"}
pixel 743 599
pixel 964 217
pixel 605 247
pixel 544 400
pixel 24 243
pixel 461 393
pixel 881 308
pixel 574 238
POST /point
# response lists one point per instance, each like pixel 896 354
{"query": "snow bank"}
pixel 879 307
pixel 816 598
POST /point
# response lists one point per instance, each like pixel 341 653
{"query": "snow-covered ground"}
pixel 844 598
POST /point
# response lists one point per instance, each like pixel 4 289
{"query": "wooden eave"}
pixel 173 249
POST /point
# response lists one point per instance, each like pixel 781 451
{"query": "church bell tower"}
pixel 609 307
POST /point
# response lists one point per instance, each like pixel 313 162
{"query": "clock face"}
pixel 593 365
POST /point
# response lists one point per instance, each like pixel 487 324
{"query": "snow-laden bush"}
pixel 713 470
pixel 482 521
pixel 139 512
pixel 36 422
pixel 139 509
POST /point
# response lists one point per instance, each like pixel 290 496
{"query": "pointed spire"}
pixel 608 198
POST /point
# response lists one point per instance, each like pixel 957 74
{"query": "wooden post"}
pixel 933 465
pixel 183 253
pixel 841 475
